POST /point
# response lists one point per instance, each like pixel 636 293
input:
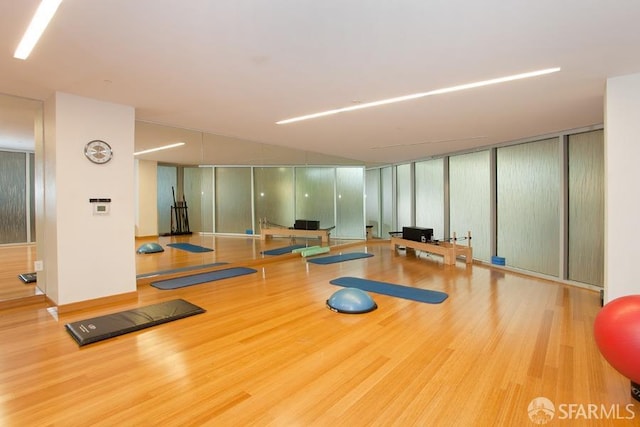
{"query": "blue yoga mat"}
pixel 339 258
pixel 281 251
pixel 178 270
pixel 400 291
pixel 189 247
pixel 196 279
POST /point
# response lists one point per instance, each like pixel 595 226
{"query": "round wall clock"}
pixel 98 151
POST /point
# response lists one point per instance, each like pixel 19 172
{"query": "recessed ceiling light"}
pixel 38 24
pixel 164 147
pixel 474 85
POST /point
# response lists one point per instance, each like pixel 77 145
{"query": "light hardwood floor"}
pixel 269 352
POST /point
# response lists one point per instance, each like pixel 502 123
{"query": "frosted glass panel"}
pixel 193 196
pixel 206 200
pixel 274 196
pixel 233 200
pixel 528 186
pixel 349 202
pixel 373 200
pixel 315 195
pixel 167 179
pixel 387 202
pixel 32 197
pixel 198 190
pixel 404 195
pixel 429 184
pixel 586 207
pixel 470 200
pixel 13 197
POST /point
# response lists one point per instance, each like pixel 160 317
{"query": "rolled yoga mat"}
pixel 314 251
pixel 305 248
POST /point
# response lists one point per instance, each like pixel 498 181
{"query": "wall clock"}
pixel 98 151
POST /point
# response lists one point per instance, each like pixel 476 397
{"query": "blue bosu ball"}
pixel 150 248
pixel 351 300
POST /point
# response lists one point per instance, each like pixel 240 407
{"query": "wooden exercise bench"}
pixel 268 232
pixel 449 250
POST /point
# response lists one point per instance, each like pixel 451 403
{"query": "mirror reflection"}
pixel 211 192
pixel 20 130
pixel 219 193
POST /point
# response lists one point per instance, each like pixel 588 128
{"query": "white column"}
pixel 87 255
pixel 622 178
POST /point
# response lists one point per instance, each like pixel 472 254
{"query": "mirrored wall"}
pixel 20 132
pixel 235 200
pixel 230 186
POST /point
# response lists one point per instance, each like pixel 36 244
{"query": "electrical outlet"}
pixel 38 265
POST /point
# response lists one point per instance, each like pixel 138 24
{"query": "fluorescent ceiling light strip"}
pixel 422 95
pixel 164 147
pixel 38 24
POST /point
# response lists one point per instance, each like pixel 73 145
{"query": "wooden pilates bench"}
pixel 268 232
pixel 450 251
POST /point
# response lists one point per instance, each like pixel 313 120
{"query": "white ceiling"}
pixel 235 67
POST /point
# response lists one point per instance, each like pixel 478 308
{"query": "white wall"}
pixel 88 256
pixel 147 195
pixel 622 178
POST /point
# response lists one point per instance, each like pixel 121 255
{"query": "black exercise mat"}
pixel 111 325
pixel 196 279
pixel 28 277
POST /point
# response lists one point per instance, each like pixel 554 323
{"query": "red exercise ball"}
pixel 617 333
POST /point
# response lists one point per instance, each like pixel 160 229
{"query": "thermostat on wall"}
pixel 100 206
